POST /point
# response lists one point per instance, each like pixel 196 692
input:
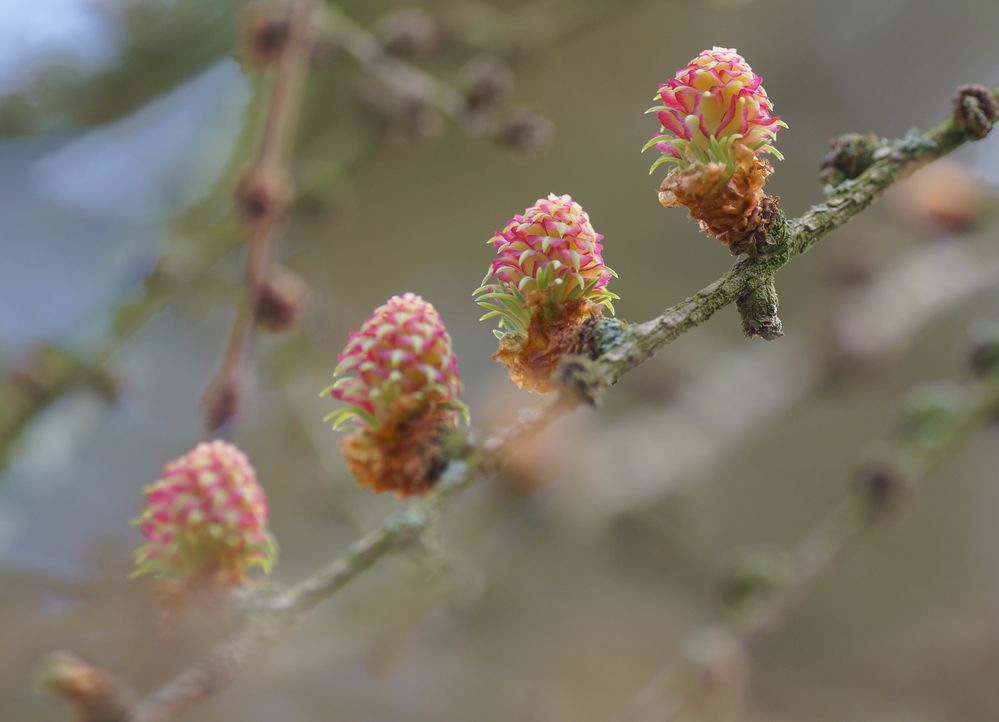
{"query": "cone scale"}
pixel 548 278
pixel 717 128
pixel 399 383
pixel 206 518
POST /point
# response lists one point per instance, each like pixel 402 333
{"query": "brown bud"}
pixel 94 693
pixel 409 32
pixel 880 486
pixel 419 121
pixel 489 82
pixel 849 155
pixel 525 130
pixel 263 34
pixel 975 109
pixel 279 299
pixel 220 401
pixel 265 192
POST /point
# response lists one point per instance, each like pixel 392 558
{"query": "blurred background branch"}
pixel 264 196
pixel 47 374
pixel 763 584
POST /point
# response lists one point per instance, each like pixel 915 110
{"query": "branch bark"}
pixel 892 161
pixel 264 195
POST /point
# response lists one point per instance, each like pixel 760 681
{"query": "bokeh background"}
pixel 555 592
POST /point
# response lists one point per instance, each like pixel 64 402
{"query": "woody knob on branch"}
pixel 717 127
pixel 547 280
pixel 400 383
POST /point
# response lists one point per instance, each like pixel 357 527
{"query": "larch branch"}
pixel 618 352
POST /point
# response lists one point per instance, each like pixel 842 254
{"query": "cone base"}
pixel 732 208
pixel 552 334
pixel 404 456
